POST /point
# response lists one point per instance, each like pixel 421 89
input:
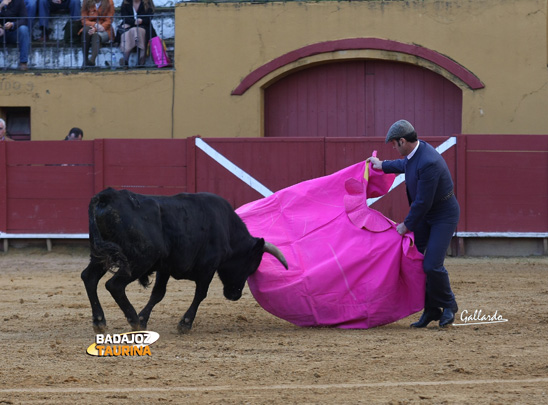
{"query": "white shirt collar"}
pixel 413 151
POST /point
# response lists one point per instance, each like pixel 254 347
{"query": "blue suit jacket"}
pixel 428 181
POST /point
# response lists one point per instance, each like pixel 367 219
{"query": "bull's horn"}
pixel 274 251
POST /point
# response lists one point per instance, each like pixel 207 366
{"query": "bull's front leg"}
pixel 202 286
pixel 117 288
pixel 91 276
pixel 158 293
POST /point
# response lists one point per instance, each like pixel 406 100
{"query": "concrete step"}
pixel 60 56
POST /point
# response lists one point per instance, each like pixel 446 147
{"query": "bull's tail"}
pixel 109 254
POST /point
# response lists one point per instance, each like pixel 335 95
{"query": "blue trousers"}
pixel 21 37
pixel 433 237
pixel 31 6
pixel 46 6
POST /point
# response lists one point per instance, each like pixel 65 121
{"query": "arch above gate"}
pixel 434 57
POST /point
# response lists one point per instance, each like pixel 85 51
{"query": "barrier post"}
pixel 3 188
pixel 98 163
pixel 191 164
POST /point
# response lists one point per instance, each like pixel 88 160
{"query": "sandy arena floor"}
pixel 237 353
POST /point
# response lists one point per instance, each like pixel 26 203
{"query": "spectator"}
pixel 3 135
pixel 97 18
pixel 137 29
pixel 45 7
pixel 75 134
pixel 14 29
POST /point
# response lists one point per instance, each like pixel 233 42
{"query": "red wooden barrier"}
pixel 276 163
pixel 45 187
pixel 146 166
pixel 342 152
pixel 501 181
pixel 49 185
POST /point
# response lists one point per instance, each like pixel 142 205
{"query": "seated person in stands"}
pixel 137 29
pixel 97 18
pixel 45 7
pixel 14 29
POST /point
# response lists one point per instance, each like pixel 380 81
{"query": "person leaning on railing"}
pixel 14 29
pixel 97 21
pixel 137 29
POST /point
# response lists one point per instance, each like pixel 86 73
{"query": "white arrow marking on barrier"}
pixel 232 168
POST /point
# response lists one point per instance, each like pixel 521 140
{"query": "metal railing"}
pixel 63 47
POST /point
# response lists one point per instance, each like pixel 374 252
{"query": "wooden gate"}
pixel 361 99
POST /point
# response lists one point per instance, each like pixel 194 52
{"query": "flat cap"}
pixel 399 129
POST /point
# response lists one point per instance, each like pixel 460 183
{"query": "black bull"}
pixel 185 236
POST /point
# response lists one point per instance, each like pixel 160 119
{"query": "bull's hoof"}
pixel 136 327
pixel 143 322
pixel 184 328
pixel 100 328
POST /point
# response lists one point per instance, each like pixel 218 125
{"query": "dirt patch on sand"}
pixel 239 353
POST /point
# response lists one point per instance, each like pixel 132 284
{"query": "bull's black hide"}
pixel 185 236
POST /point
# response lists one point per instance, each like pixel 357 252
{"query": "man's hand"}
pixel 402 229
pixel 8 26
pixel 375 161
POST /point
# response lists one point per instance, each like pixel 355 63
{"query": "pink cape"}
pixel 348 266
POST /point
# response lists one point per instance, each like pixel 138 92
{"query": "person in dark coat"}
pixel 137 27
pixel 14 28
pixel 433 215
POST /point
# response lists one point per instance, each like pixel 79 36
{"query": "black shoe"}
pixel 448 316
pixel 429 315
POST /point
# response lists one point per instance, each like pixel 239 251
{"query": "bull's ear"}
pixel 259 244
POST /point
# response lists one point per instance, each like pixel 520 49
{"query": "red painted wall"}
pixel 45 187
